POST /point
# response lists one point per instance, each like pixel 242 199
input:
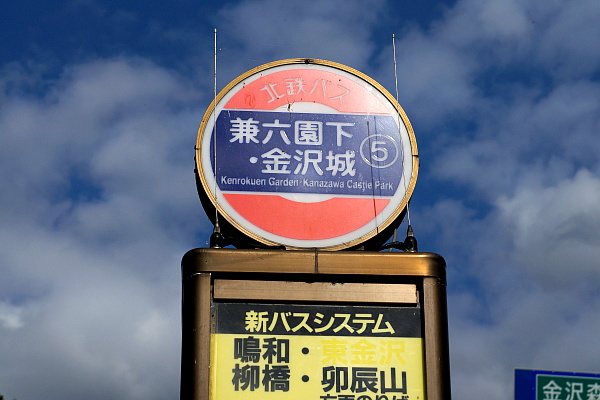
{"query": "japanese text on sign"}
pixel 554 387
pixel 366 323
pixel 320 88
pixel 263 364
pixel 308 153
pixel 276 371
pixel 382 362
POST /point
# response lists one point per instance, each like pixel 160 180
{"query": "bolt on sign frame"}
pixel 275 324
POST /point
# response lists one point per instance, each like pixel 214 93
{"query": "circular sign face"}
pixel 307 153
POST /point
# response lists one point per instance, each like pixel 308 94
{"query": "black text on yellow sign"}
pixel 353 363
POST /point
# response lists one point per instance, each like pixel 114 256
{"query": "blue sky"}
pixel 100 104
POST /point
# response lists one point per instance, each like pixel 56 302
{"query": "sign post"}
pixel 295 160
pixel 274 324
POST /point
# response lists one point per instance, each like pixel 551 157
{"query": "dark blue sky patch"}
pixel 82 187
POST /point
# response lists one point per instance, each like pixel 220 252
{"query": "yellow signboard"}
pixel 316 352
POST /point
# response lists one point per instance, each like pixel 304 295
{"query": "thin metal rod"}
pixel 396 79
pixel 395 65
pixel 215 132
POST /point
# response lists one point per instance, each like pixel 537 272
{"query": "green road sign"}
pixel 551 387
pixel 554 385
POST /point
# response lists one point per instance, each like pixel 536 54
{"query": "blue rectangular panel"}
pixel 281 152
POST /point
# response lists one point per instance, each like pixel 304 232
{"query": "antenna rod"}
pixel 215 126
pixel 396 79
pixel 395 65
pixel 216 239
pixel 215 68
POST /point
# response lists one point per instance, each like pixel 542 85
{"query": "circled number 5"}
pixel 377 149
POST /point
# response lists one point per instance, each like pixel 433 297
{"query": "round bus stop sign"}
pixel 307 153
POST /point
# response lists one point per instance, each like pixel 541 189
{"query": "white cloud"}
pixel 557 231
pixel 528 139
pixel 90 302
pixel 10 316
pixel 519 227
pixel 568 40
pixel 271 30
pixel 88 332
pixel 489 21
pixel 435 80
